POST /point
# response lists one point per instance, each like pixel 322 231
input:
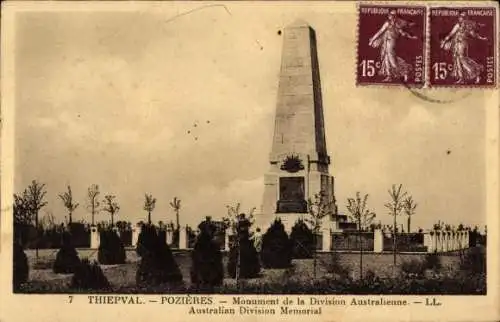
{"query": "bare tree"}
pixel 93 200
pixel 395 207
pixel 22 211
pixel 149 205
pixel 409 206
pixel 23 216
pixel 234 216
pixel 176 205
pixel 35 195
pixel 121 225
pixel 318 209
pixel 360 214
pixel 111 207
pixel 233 213
pixel 67 199
pixel 48 221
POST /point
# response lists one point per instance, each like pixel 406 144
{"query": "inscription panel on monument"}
pixel 292 195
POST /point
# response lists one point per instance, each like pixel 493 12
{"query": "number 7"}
pixel 70 299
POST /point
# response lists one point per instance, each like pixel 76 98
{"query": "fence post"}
pixel 136 231
pixel 454 236
pixel 169 235
pixel 428 242
pixel 378 241
pixel 116 231
pixel 183 241
pixel 226 239
pixel 95 239
pixel 450 241
pixel 326 239
pixel 435 242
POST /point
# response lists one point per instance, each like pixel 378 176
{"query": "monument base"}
pixel 290 219
pixel 264 221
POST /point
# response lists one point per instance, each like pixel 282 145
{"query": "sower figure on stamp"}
pixel 464 67
pixel 392 66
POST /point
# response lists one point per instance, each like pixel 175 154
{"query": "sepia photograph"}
pixel 250 148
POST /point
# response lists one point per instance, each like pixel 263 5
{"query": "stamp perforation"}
pixel 411 69
pixel 494 40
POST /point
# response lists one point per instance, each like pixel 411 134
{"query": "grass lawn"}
pixel 123 276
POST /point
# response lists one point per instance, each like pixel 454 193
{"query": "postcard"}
pixel 187 160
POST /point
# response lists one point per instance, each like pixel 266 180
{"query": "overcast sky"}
pixel 109 98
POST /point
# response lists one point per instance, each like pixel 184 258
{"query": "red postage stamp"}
pixel 463 46
pixel 391 45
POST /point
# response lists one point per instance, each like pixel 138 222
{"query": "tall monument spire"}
pixel 298 160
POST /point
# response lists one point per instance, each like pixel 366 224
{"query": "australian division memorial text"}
pixel 240 305
pixel 302 305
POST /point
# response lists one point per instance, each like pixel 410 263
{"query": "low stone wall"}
pixel 376 241
pixel 353 241
pixel 409 242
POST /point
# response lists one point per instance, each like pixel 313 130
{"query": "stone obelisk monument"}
pixel 298 161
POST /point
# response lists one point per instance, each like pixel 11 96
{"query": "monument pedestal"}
pixel 288 220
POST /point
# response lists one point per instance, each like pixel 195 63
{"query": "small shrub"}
pixel 370 275
pixel 289 274
pixel 21 268
pixel 162 234
pixel 67 259
pixel 43 264
pixel 433 261
pixel 474 260
pixel 302 240
pixel 412 268
pixel 207 270
pixel 371 284
pixel 111 249
pixel 244 252
pixel 146 240
pixel 249 260
pixel 157 265
pixel 333 265
pixel 175 238
pixel 276 247
pixel 80 234
pixel 89 277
